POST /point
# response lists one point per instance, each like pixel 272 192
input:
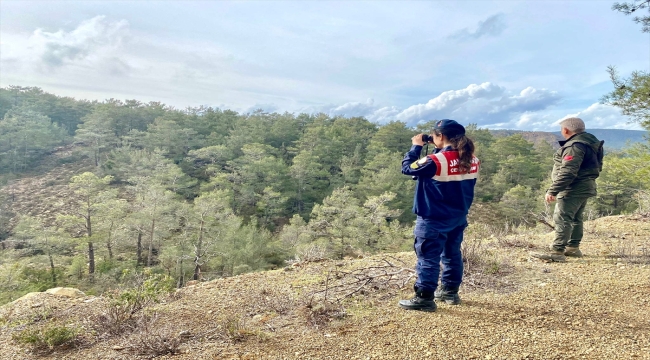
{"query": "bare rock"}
pixel 26 296
pixel 67 292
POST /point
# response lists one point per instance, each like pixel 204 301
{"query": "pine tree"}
pixel 93 196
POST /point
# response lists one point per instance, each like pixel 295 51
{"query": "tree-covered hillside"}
pixel 93 190
pixel 615 139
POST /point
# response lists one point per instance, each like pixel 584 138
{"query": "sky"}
pixel 499 64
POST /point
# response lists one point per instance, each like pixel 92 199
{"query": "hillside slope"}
pixel 44 192
pixel 597 307
pixel 615 139
pixel 619 138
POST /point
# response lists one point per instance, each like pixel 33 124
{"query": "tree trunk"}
pixel 96 153
pixel 181 275
pixel 108 242
pixel 300 202
pixel 197 253
pixel 150 255
pixel 139 248
pixel 91 258
pixel 89 228
pixel 91 250
pixel 110 250
pixel 49 254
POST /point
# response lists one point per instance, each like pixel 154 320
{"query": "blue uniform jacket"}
pixel 443 194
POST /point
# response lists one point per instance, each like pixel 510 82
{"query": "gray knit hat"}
pixel 573 124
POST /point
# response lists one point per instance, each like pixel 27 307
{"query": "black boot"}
pixel 448 295
pixel 422 301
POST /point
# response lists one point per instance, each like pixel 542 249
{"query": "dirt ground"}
pixel 595 307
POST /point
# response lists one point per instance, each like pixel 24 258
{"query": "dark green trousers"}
pixel 568 217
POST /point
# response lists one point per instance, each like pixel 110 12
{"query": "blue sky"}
pixel 500 64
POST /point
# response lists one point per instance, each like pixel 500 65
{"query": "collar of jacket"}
pixel 446 148
pixel 569 139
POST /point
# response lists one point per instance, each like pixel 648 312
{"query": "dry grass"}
pixel 628 250
pixel 321 313
pixel 487 251
pixel 154 338
pixel 624 239
pixel 235 328
pixel 269 315
pixel 113 320
pixel 280 300
pixel 311 252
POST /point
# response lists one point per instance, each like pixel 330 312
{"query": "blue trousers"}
pixel 433 249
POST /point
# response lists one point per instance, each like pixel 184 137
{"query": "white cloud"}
pixel 491 107
pixel 368 109
pixel 529 99
pixel 404 56
pixel 267 108
pixel 492 26
pixel 483 104
pixel 91 55
pixel 531 120
pixel 93 38
pixel 486 104
pixel 450 100
pixel 354 108
pixel 384 114
pixel 601 116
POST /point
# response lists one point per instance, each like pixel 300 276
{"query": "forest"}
pixel 201 193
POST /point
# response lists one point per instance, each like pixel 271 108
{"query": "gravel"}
pixel 596 307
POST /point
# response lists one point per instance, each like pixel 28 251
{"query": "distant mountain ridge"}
pixel 615 139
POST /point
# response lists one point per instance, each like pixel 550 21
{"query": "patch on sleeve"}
pixel 420 163
pixel 568 158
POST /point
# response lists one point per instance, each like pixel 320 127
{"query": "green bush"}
pixel 148 291
pixel 48 337
pixel 105 266
pixel 125 307
pixel 39 279
pixel 72 158
pixel 78 267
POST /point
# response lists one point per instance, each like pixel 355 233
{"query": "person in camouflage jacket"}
pixel 576 165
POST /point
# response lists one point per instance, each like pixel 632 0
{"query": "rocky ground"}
pixel 596 307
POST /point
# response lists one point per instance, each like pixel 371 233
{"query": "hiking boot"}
pixel 551 255
pixel 419 302
pixel 572 252
pixel 447 294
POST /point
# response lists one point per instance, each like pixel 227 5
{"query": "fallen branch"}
pixel 542 220
pixel 382 275
pixel 546 223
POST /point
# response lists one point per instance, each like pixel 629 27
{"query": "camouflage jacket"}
pixel 576 165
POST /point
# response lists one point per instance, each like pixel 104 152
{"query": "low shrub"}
pixel 280 300
pixel 626 249
pixel 71 159
pixel 322 313
pixel 125 306
pixel 48 337
pixel 154 339
pixel 235 329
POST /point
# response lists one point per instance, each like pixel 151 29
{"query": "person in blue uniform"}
pixel 443 195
